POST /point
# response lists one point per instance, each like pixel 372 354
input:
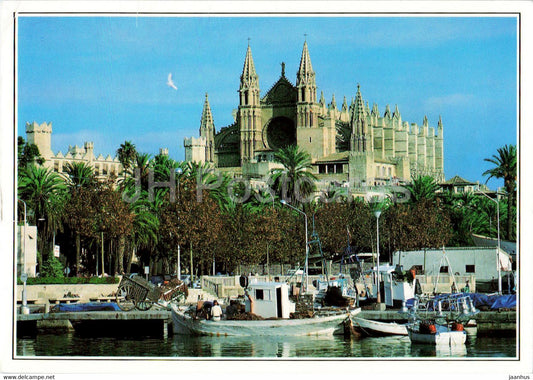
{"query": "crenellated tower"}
pixel 249 112
pixel 40 135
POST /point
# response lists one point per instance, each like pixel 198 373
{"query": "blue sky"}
pixel 103 79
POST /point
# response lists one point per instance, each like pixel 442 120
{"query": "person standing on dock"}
pixel 216 311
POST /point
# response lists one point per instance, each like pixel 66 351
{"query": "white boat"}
pixel 270 301
pixel 376 328
pixel 442 336
pixel 320 325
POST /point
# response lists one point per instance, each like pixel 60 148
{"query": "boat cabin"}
pixel 394 292
pixel 271 299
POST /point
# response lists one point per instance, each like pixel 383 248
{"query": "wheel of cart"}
pixel 136 292
pixel 125 294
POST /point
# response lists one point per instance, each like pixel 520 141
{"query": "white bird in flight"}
pixel 170 83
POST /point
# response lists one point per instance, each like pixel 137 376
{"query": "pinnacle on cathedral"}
pixel 359 110
pixel 249 77
pixel 344 105
pixel 396 113
pixel 306 68
pixel 305 75
pixel 358 142
pixel 333 104
pixel 207 122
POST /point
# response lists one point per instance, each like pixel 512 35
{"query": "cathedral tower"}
pixel 306 86
pixel 249 109
pixel 359 139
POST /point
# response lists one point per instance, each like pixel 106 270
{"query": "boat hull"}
pixel 327 325
pixel 375 328
pixel 446 338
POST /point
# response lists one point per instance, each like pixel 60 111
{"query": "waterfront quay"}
pixel 159 322
pixel 95 323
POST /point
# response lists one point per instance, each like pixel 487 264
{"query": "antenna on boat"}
pixel 444 260
pixel 315 239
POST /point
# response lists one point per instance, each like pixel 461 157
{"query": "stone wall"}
pixel 41 294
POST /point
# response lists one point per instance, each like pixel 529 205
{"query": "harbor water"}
pixel 73 345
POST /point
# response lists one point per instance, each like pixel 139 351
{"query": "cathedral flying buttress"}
pixel 352 144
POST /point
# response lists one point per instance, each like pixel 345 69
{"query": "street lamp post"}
pixel 306 269
pixel 179 171
pixel 498 265
pixel 24 275
pixel 377 213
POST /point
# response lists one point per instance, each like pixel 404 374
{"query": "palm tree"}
pixel 44 192
pixel 294 181
pixel 505 168
pixel 423 187
pixel 145 227
pixel 79 174
pixel 217 183
pixel 127 155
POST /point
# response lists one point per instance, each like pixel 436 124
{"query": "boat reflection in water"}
pixel 183 347
pixel 440 351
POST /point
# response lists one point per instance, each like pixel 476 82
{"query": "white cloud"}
pixel 449 100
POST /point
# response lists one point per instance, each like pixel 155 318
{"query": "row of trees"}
pixel 154 211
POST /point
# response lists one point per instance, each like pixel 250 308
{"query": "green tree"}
pixel 127 155
pixel 81 180
pixel 417 226
pixel 505 168
pixel 27 154
pixel 295 181
pixel 44 192
pixel 114 219
pixel 422 187
pixel 79 175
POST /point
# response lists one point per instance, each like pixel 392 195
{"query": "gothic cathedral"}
pixel 353 144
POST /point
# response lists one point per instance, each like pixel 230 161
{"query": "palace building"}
pixel 41 135
pixel 351 144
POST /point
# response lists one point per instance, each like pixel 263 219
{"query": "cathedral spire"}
pixel 206 123
pixel 207 130
pixel 249 77
pixel 305 78
pixel 359 111
pixel 306 68
pixel 358 141
pixel 249 87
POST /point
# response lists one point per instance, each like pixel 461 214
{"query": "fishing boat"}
pixel 270 302
pixel 432 333
pixel 446 327
pixel 375 328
